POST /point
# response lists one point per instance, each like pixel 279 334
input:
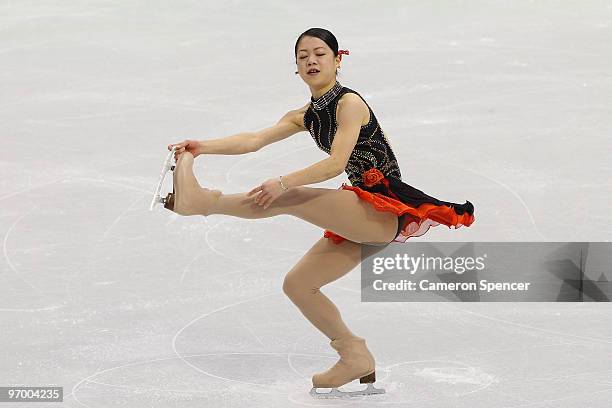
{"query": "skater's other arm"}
pixel 350 115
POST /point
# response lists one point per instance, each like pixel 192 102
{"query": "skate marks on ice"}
pixel 442 378
pixel 248 349
pixel 414 382
pixel 258 368
pixel 250 371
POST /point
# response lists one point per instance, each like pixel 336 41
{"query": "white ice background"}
pixel 503 103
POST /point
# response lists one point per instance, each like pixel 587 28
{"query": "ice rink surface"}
pixel 505 104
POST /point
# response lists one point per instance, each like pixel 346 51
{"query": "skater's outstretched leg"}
pixel 341 211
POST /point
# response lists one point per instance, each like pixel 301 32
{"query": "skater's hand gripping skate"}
pixel 269 191
pixel 192 146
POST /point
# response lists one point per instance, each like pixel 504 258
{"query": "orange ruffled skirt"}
pixel 422 211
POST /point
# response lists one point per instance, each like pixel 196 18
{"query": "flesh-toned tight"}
pixel 341 211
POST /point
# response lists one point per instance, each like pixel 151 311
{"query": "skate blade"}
pixel 336 393
pixel 167 166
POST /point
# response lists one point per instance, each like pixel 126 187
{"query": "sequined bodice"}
pixel 372 148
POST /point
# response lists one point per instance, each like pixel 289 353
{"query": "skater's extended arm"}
pixel 247 142
pixel 291 123
pixel 235 144
pixel 239 143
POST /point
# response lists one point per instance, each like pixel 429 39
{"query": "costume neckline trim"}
pixel 324 100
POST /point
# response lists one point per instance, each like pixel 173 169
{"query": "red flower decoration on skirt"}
pixel 372 177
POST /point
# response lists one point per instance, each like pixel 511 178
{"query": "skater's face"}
pixel 314 53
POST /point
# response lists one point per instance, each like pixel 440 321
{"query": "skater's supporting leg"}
pixel 338 210
pixel 325 262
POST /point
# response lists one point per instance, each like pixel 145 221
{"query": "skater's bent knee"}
pixel 295 288
pixel 289 285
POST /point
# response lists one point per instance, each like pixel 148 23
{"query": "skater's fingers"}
pixel 263 197
pixel 178 146
pixel 259 196
pixel 253 191
pixel 267 203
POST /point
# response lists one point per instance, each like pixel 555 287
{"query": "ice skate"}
pixel 356 362
pixel 168 201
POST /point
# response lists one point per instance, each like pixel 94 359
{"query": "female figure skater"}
pixel 377 209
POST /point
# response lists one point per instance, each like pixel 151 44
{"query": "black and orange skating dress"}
pixel 375 176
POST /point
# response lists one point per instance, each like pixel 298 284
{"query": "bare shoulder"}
pixel 304 108
pixel 297 115
pixel 355 101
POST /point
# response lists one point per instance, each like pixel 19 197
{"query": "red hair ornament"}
pixel 340 52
